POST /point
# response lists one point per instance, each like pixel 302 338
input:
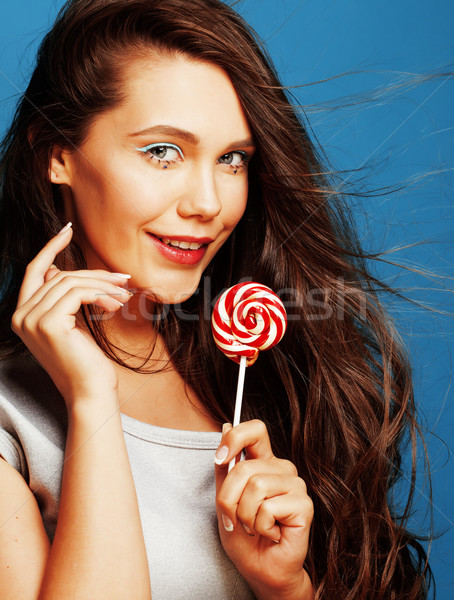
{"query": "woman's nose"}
pixel 201 198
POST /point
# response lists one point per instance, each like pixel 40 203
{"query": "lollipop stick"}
pixel 239 400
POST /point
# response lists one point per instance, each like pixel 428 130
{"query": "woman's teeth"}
pixel 182 245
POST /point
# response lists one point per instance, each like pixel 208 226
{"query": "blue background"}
pixel 386 116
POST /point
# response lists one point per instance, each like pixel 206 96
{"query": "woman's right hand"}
pixel 45 320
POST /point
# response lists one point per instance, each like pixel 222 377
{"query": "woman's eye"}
pixel 235 160
pixel 167 154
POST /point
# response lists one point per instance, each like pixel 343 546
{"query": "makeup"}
pixel 183 256
pixel 163 154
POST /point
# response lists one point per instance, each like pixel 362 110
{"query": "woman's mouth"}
pixel 180 244
pixel 183 251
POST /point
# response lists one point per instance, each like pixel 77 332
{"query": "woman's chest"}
pixel 162 399
pixel 176 494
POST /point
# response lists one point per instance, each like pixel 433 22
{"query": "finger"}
pixel 108 296
pixel 53 294
pixel 258 489
pixel 287 510
pixel 55 275
pixel 236 482
pixel 93 273
pixel 37 268
pixel 53 270
pixel 63 281
pixel 61 315
pixel 265 521
pixel 251 436
pixel 219 471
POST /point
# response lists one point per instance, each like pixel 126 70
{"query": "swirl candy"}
pixel 248 317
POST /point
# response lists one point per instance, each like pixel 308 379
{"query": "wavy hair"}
pixel 336 394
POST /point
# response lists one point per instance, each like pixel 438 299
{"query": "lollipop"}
pixel 247 318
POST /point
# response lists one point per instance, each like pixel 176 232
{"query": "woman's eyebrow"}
pixel 188 136
pixel 192 138
pixel 246 143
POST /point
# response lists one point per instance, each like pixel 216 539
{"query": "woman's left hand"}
pixel 264 514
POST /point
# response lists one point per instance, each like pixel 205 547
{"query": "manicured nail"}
pixel 122 275
pixel 225 426
pixel 221 455
pixel 228 525
pixel 247 530
pixel 123 290
pixel 52 267
pixel 65 228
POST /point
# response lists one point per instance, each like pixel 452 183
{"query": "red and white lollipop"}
pixel 247 318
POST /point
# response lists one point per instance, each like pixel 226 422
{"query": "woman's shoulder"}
pixel 26 386
pixel 23 376
pixel 33 426
pixel 32 412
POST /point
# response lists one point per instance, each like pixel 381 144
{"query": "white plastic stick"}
pixel 239 402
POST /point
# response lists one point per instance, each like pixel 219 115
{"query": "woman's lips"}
pixel 180 255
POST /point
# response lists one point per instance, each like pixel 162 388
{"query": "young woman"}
pixel 161 132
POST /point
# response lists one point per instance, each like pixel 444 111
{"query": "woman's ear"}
pixel 59 167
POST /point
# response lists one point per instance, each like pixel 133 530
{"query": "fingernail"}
pixel 125 275
pixel 228 525
pixel 52 267
pixel 221 455
pixel 247 530
pixel 225 426
pixel 65 228
pixel 124 290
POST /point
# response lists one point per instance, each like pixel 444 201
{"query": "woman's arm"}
pixel 98 549
pixel 24 545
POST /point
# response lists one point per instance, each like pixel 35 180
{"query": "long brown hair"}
pixel 336 394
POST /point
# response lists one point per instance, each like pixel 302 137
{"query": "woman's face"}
pixel 161 180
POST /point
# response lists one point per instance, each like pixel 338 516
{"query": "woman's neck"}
pixel 158 394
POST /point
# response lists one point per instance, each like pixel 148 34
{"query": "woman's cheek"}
pixel 237 210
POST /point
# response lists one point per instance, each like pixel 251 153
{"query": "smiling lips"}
pixel 187 251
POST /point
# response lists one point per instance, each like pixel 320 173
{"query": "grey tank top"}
pixel 173 473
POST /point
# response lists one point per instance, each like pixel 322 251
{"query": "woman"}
pixel 162 133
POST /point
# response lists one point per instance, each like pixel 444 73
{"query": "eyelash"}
pixel 167 163
pixel 161 161
pixel 244 161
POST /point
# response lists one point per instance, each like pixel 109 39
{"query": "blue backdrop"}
pixel 387 117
